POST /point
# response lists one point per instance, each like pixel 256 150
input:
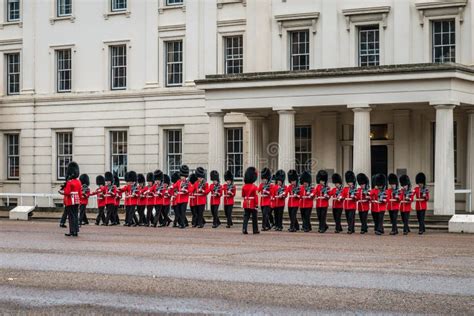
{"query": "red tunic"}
pixel 250 196
pixel 393 199
pixel 265 194
pixel 149 192
pixel 406 199
pixel 363 200
pixel 216 193
pixel 141 195
pixel 158 195
pixel 306 196
pixel 85 193
pixel 71 192
pixel 321 193
pixel 229 194
pixel 292 191
pixel 421 198
pixel 183 189
pixel 337 199
pixel 201 189
pixel 110 193
pixel 167 193
pixel 278 195
pixel 378 201
pixel 118 197
pixel 349 196
pixel 100 196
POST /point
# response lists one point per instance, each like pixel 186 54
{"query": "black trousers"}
pixel 156 218
pixel 181 213
pixel 322 213
pixel 293 212
pixel 247 213
pixel 200 215
pixel 350 217
pixel 100 216
pixel 165 212
pixel 363 215
pixel 110 209
pixel 337 214
pixel 420 215
pixel 228 214
pixel 82 215
pixel 266 217
pixel 194 216
pixel 405 220
pixel 306 217
pixel 393 220
pixel 215 215
pixel 115 216
pixel 63 219
pixel 279 216
pixel 141 214
pixel 271 218
pixel 381 220
pixel 375 217
pixel 129 210
pixel 149 215
pixel 72 214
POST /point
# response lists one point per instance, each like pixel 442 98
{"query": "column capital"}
pixel 444 104
pixel 361 109
pixel 215 113
pixel 283 109
pixel 255 116
pixel 358 106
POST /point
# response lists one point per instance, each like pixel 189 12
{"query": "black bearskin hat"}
pixel 72 171
pixel 362 179
pixel 140 178
pixel 228 176
pixel 149 177
pixel 280 176
pixel 336 178
pixel 200 172
pixel 193 178
pixel 214 175
pixel 184 171
pixel 175 176
pixel 166 179
pixel 405 180
pixel 158 175
pixel 420 178
pixel 322 175
pixel 100 180
pixel 266 174
pixel 84 178
pixel 292 175
pixel 305 177
pixel 110 177
pixel 116 180
pixel 250 175
pixel 132 176
pixel 350 177
pixel 392 179
pixel 380 180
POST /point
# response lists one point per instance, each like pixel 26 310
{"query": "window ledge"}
pixel 3 182
pixel 18 23
pixel 161 10
pixel 436 8
pixel 365 15
pixel 70 18
pixel 220 3
pixel 126 13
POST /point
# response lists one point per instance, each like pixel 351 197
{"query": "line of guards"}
pixel 148 200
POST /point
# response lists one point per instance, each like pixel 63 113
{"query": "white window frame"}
pixel 233 57
pixel 289 45
pixel 432 31
pixel 167 63
pixel 169 4
pixel 59 156
pixel 229 166
pixel 428 36
pixel 8 12
pixel 115 9
pixel 298 166
pixel 8 74
pixel 10 155
pixel 112 67
pixel 167 143
pixel 112 154
pixel 64 70
pixel 60 4
pixel 359 56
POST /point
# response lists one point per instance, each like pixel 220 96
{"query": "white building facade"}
pixel 373 86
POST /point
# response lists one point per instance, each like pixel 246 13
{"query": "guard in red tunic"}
pixel 216 193
pixel 229 191
pixel 306 196
pixel 406 198
pixel 174 178
pixel 85 193
pixel 337 201
pixel 393 202
pixel 278 196
pixel 292 192
pixel 321 193
pixel 100 182
pixel 363 201
pixel 421 196
pixel 264 190
pixel 118 198
pixel 167 193
pixel 183 188
pixel 158 197
pixel 349 196
pixel 149 193
pixel 192 201
pixel 201 190
pixel 71 192
pixel 131 197
pixel 141 203
pixel 378 202
pixel 110 193
pixel 250 202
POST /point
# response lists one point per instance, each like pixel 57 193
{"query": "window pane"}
pixel 119 5
pixel 64 152
pixel 118 64
pixel 64 71
pixel 443 41
pixel 13 10
pixel 174 63
pixel 13 73
pixel 299 50
pixel 303 148
pixel 369 45
pixel 233 54
pixel 234 153
pixel 118 152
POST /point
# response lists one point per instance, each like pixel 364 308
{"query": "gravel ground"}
pixel 119 270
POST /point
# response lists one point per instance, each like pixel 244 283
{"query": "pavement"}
pixel 143 270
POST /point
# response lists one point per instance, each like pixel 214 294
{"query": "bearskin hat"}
pixel 322 175
pixel 362 179
pixel 149 177
pixel 140 178
pixel 72 171
pixel 158 175
pixel 100 180
pixel 380 180
pixel 292 175
pixel 175 176
pixel 132 176
pixel 200 172
pixel 184 171
pixel 84 178
pixel 166 179
pixel 350 177
pixel 336 178
pixel 193 178
pixel 280 176
pixel 214 175
pixel 250 175
pixel 420 178
pixel 228 176
pixel 305 177
pixel 265 174
pixel 405 180
pixel 110 177
pixel 392 179
pixel 116 180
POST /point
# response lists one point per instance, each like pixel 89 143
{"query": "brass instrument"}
pixel 216 189
pixel 229 189
pixel 184 186
pixel 352 191
pixel 381 195
pixel 266 188
pixel 281 190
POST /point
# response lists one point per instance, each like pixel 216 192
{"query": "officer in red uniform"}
pixel 292 192
pixel 174 178
pixel 349 197
pixel 406 198
pixel 216 193
pixel 229 191
pixel 131 197
pixel 264 190
pixel 71 192
pixel 363 201
pixel 421 196
pixel 141 204
pixel 393 202
pixel 100 182
pixel 110 192
pixel 321 193
pixel 118 198
pixel 201 190
pixel 378 203
pixel 306 196
pixel 149 192
pixel 157 197
pixel 85 193
pixel 337 201
pixel 166 192
pixel 192 201
pixel 250 202
pixel 278 196
pixel 183 188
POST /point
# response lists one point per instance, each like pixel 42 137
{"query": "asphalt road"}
pixel 121 270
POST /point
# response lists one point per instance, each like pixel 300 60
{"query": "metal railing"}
pixel 469 198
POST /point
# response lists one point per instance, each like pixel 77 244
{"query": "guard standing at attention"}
pixel 250 202
pixel 71 192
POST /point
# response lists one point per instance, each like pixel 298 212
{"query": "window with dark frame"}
pixel 119 152
pixel 119 5
pixel 233 54
pixel 64 7
pixel 444 41
pixel 174 149
pixel 369 45
pixel 118 67
pixel 13 73
pixel 303 148
pixel 13 10
pixel 299 50
pixel 234 151
pixel 63 153
pixel 174 2
pixel 174 63
pixel 63 70
pixel 13 156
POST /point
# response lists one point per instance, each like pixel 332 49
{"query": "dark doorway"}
pixel 379 159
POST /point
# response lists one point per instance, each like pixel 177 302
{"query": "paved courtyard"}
pixel 120 270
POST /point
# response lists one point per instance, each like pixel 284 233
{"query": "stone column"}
pixel 286 139
pixel 470 158
pixel 444 201
pixel 255 140
pixel 361 147
pixel 401 126
pixel 216 142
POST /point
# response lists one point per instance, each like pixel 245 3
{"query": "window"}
pixel 13 10
pixel 118 67
pixel 369 46
pixel 118 152
pixel 174 63
pixel 444 41
pixel 234 151
pixel 64 7
pixel 174 149
pixel 433 149
pixel 174 2
pixel 119 5
pixel 303 148
pixel 64 70
pixel 299 50
pixel 233 54
pixel 13 73
pixel 378 131
pixel 64 153
pixel 13 156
